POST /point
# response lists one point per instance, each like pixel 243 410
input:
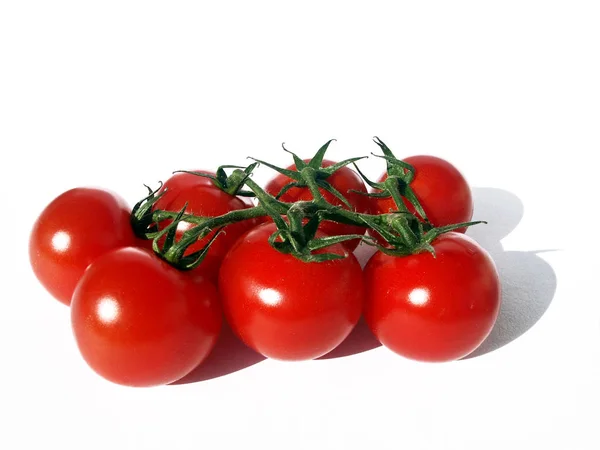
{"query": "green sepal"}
pixel 394 165
pixel 173 251
pixel 317 161
pixel 337 166
pixel 311 227
pixel 409 194
pixel 297 237
pixel 293 174
pixel 300 164
pixel 193 260
pixel 169 232
pixel 372 184
pixel 141 214
pixel 287 187
pixel 232 184
pixel 398 167
pixel 397 184
pixel 237 180
pixel 288 245
pixel 434 232
pixel 337 194
pixel 282 246
pixel 384 231
pixel 312 169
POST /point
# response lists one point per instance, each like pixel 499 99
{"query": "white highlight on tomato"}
pixel 108 310
pixel 418 296
pixel 61 241
pixel 270 296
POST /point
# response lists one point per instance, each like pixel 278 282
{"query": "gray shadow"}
pixel 361 339
pixel 229 355
pixel 528 282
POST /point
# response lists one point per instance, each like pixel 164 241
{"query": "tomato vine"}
pixel 403 231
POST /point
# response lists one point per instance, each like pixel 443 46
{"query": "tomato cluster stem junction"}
pixel 297 223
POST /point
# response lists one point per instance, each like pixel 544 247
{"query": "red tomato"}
pixel 285 308
pixel 71 232
pixel 433 309
pixel 441 189
pixel 181 181
pixel 344 180
pixel 169 190
pixel 207 202
pixel 140 322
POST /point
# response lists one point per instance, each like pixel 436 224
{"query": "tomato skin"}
pixel 208 202
pixel 284 308
pixel 344 180
pixel 441 189
pixel 433 309
pixel 71 232
pixel 181 181
pixel 139 322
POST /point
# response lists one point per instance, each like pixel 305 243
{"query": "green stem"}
pixel 329 212
pixel 237 215
pixel 333 212
pixel 404 233
pixel 391 183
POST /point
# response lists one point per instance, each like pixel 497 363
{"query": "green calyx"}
pixel 397 183
pixel 232 184
pixel 141 218
pixel 297 235
pixel 314 170
pixel 405 234
pixel 174 252
pixel 146 222
pixel 297 223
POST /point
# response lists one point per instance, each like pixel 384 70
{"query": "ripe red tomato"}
pixel 71 232
pixel 344 180
pixel 181 181
pixel 433 308
pixel 207 202
pixel 441 189
pixel 140 322
pixel 285 308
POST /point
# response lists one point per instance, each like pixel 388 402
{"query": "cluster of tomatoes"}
pixel 139 320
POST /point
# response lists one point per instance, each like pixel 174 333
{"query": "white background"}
pixel 116 94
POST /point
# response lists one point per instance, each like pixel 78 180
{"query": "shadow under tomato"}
pixel 360 340
pixel 528 282
pixel 229 355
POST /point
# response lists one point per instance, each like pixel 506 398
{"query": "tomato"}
pixel 184 180
pixel 441 189
pixel 285 308
pixel 433 308
pixel 345 180
pixel 71 232
pixel 207 202
pixel 139 322
pixel 181 181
